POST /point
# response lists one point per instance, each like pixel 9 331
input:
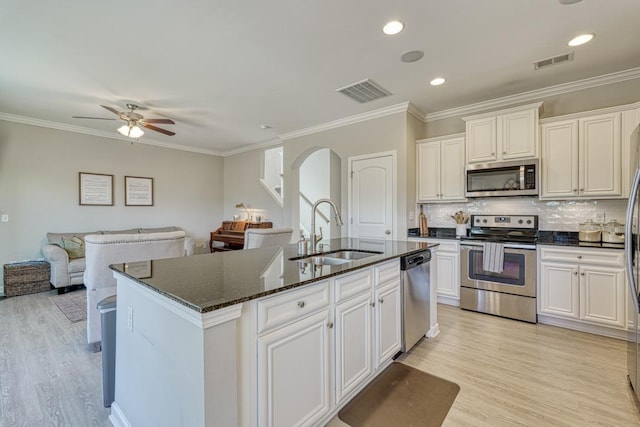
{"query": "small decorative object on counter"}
pixel 303 246
pixel 461 220
pixel 613 232
pixel 589 232
pixel 424 227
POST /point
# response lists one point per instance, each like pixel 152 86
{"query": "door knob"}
pixel 387 231
pixel 301 304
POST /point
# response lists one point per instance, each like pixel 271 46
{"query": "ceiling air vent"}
pixel 364 91
pixel 553 61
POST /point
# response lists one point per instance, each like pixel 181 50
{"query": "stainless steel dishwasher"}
pixel 416 287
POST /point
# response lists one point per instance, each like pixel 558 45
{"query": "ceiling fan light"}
pixel 132 131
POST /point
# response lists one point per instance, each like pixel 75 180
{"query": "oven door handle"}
pixel 506 245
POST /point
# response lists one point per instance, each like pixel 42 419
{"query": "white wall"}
pixel 39 187
pixel 315 183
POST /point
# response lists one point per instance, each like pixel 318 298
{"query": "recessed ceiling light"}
pixel 265 126
pixel 393 27
pixel 437 81
pixel 412 56
pixel 581 39
pixel 569 1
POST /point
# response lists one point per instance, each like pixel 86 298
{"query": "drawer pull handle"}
pixel 301 304
pixel 330 325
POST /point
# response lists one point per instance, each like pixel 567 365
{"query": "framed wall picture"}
pixel 138 191
pixel 95 189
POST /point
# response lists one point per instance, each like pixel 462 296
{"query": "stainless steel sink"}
pixel 336 257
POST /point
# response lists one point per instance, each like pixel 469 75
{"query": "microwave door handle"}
pixel 629 241
pixel 522 175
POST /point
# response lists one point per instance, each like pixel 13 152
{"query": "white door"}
pixel 600 167
pixel 429 171
pixel 559 160
pixel 388 324
pixel 371 197
pixel 559 289
pixel 452 169
pixel 602 295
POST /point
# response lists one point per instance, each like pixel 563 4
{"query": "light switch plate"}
pixel 5 217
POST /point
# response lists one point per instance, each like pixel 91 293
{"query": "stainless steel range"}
pixel 498 266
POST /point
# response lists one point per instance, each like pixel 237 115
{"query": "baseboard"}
pixel 449 300
pixel 433 332
pixel 583 327
pixel 117 418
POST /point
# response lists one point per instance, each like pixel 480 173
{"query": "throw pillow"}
pixel 74 247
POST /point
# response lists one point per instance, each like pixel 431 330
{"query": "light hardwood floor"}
pixel 510 373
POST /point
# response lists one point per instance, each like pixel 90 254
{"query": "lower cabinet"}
pixel 584 285
pixel 447 260
pixel 318 345
pixel 293 372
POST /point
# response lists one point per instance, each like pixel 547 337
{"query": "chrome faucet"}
pixel 315 238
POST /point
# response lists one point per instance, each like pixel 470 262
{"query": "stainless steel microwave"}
pixel 513 178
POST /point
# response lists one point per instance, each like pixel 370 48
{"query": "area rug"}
pixel 401 396
pixel 72 304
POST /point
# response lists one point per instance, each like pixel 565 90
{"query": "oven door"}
pixel 518 276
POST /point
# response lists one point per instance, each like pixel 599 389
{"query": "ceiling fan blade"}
pixel 113 110
pixel 95 118
pixel 164 121
pixel 157 129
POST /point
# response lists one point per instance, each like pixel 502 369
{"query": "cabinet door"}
pixel 293 373
pixel 452 169
pixel 559 160
pixel 518 134
pixel 388 324
pixel 602 295
pixel 481 140
pixel 429 171
pixel 559 290
pixel 448 274
pixel 353 343
pixel 600 163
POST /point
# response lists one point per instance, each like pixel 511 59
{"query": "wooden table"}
pixel 231 233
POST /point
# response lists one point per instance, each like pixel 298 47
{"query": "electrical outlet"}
pixel 5 218
pixel 600 217
pixel 411 215
pixel 130 318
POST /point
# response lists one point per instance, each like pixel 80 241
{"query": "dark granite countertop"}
pixel 434 233
pixel 209 282
pixel 570 238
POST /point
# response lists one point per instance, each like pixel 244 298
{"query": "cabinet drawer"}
pixel 608 257
pixel 386 272
pixel 352 284
pixel 446 245
pixel 283 308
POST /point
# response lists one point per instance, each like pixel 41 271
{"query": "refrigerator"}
pixel 632 262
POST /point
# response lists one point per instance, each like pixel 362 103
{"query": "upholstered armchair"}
pixel 103 250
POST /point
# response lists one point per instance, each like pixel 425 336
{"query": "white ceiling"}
pixel 221 68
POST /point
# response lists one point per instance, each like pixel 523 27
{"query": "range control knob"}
pixel 519 221
pixel 484 220
pixel 478 220
pixel 528 221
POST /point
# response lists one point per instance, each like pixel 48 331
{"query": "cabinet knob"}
pixel 575 190
pixel 381 300
pixel 582 274
pixel 330 325
pixel 387 231
pixel 582 189
pixel 373 304
pixel 579 256
pixel 575 273
pixel 504 152
pixel 493 154
pixel 301 304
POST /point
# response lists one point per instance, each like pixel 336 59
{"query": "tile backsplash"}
pixel 553 215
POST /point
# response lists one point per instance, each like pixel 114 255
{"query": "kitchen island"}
pixel 254 338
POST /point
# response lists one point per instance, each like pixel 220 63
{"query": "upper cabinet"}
pixel 441 169
pixel 503 135
pixel 582 158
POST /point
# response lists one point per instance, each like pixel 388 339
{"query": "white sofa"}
pixel 68 271
pixel 102 250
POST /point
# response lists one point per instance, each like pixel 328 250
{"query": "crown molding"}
pixel 257 146
pixel 536 95
pixel 381 112
pixel 100 133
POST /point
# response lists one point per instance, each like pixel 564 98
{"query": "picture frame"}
pixel 138 191
pixel 95 189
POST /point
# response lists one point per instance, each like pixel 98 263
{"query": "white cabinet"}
pixel 503 135
pixel 447 271
pixel 441 169
pixel 587 285
pixel 582 158
pixel 368 326
pixel 294 359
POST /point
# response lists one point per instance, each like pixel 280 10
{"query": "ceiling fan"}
pixel 133 121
